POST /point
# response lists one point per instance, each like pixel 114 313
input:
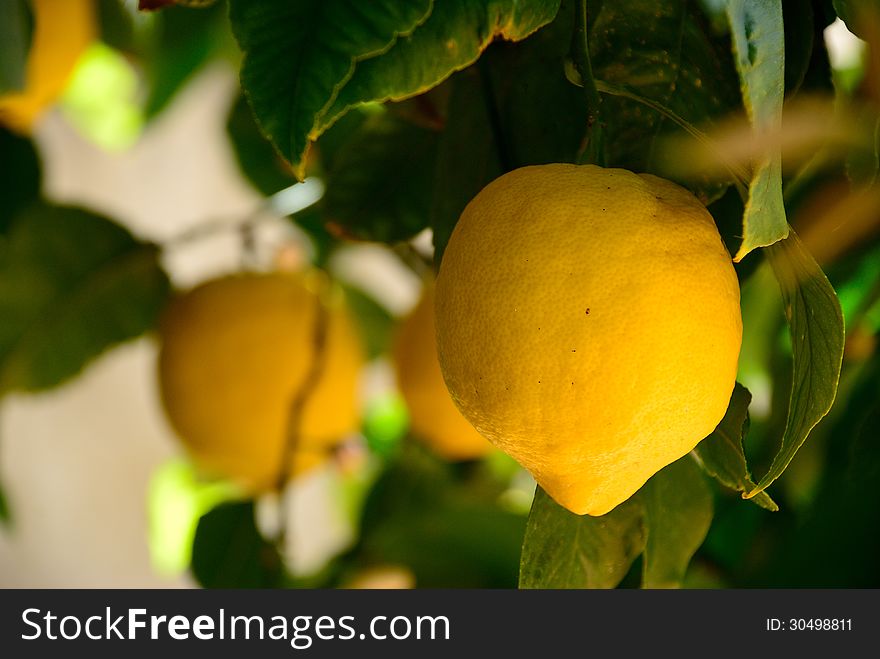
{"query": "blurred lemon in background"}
pixel 433 416
pixel 588 324
pixel 246 359
pixel 63 29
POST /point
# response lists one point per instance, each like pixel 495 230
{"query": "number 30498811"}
pixel 810 624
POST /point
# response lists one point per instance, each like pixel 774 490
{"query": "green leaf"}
pixel 258 159
pixel 759 46
pixel 448 535
pixel 20 182
pixel 542 117
pixel 678 512
pixel 380 185
pixel 450 39
pixel 15 41
pixel 458 180
pixel 374 320
pixel 116 25
pixel 817 337
pixel 667 520
pixel 837 540
pixel 72 284
pixel 183 40
pixel 665 53
pixel 564 550
pixel 799 42
pixel 539 117
pixel 5 512
pixel 229 552
pixel 299 54
pixel 721 454
pixel 859 16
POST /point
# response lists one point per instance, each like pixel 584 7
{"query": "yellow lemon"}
pixel 63 29
pixel 588 324
pixel 433 416
pixel 246 359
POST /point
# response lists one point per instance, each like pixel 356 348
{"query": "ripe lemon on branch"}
pixel 433 416
pixel 246 360
pixel 63 29
pixel 588 324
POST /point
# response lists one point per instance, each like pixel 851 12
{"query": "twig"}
pixel 580 53
pixel 296 411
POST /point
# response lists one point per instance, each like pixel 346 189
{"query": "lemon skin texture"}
pixel 588 324
pixel 434 418
pixel 63 29
pixel 237 352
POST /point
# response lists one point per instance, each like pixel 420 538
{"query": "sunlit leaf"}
pixel 72 284
pixel 176 499
pixel 564 550
pixel 299 54
pixel 816 327
pixel 759 46
pixel 721 453
pixel 452 38
pixel 678 510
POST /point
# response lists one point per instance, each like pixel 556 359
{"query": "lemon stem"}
pixel 295 415
pixel 594 150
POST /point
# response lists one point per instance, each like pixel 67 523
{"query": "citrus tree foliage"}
pixel 406 109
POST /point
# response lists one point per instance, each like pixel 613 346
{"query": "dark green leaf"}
pixel 5 513
pixel 299 54
pixel 799 40
pixel 564 550
pixel 759 45
pixel 374 320
pixel 721 453
pixel 229 552
pixel 542 117
pixel 665 53
pixel 380 185
pixel 816 327
pixel 678 512
pixel 863 164
pixel 20 181
pixel 260 162
pixel 450 39
pixel 459 179
pixel 183 40
pixel 448 535
pixel 117 26
pixel 72 284
pixel 837 540
pixel 15 41
pixel 861 16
